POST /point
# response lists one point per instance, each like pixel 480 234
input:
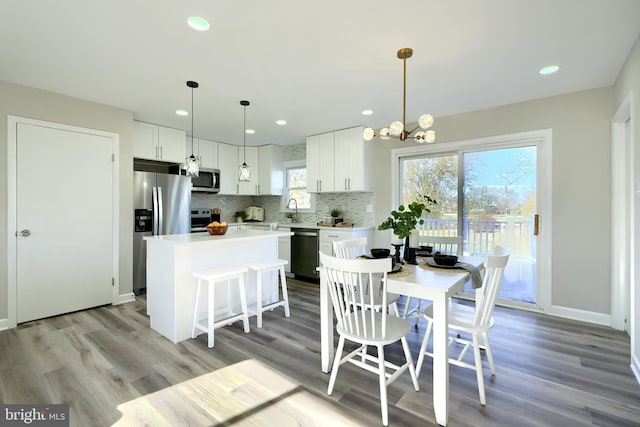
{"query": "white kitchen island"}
pixel 172 260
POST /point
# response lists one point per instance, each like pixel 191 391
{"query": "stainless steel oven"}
pixel 200 218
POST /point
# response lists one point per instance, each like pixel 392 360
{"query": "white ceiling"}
pixel 316 64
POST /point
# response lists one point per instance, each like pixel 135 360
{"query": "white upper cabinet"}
pixel 320 163
pixel 158 143
pixel 271 171
pixel 251 187
pixel 338 161
pixel 228 165
pixel 145 141
pixel 353 160
pixel 208 153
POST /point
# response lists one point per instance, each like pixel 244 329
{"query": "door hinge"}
pixel 113 158
pixel 113 281
pixel 536 223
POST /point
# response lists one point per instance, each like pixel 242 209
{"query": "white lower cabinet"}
pixel 284 249
pixel 327 237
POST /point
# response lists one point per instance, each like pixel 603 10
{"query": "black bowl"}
pixel 428 249
pixel 380 253
pixel 444 259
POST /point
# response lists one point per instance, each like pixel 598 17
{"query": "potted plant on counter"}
pixel 240 216
pixel 405 219
pixel 335 214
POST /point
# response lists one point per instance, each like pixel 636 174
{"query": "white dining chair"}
pixel 352 248
pixel 357 323
pixel 474 320
pixel 451 245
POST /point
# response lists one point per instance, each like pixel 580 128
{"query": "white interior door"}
pixel 64 218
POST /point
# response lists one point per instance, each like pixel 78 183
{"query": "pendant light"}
pixel 398 129
pixel 193 168
pixel 245 170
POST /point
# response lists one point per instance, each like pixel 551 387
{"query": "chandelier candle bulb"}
pixel 398 129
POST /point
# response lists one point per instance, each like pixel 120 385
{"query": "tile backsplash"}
pixel 352 206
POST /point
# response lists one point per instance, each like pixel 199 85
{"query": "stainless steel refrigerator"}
pixel 162 205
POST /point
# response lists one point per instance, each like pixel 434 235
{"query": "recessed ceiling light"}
pixel 367 112
pixel 250 131
pixel 198 23
pixel 281 122
pixel 182 112
pixel 549 69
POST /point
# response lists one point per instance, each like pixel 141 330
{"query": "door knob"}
pixel 25 233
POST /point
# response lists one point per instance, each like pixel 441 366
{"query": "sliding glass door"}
pixel 487 196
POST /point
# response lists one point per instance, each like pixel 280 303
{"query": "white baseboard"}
pixel 122 298
pixel 4 324
pixel 635 367
pixel 582 315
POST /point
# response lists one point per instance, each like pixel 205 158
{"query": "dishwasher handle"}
pixel 305 233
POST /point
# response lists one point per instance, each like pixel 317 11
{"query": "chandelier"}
pixel 398 129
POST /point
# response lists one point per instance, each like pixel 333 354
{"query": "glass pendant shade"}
pixel 425 121
pixel 245 173
pixel 193 168
pixel 368 134
pixel 430 136
pixel 385 133
pixel 396 128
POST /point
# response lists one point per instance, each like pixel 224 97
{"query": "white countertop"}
pixel 205 237
pixel 303 225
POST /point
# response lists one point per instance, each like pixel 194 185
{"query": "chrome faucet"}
pixel 295 218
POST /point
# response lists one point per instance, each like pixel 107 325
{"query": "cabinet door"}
pixel 228 165
pixel 171 144
pixel 271 170
pixel 145 141
pixel 327 162
pixel 343 163
pixel 208 152
pixel 353 157
pixel 250 187
pixel 313 163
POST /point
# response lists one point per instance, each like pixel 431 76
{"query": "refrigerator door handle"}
pixel 154 201
pixel 160 213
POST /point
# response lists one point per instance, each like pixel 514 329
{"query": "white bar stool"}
pixel 211 278
pixel 260 269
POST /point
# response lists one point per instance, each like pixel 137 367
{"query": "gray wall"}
pixel 629 81
pixel 37 104
pixel 581 124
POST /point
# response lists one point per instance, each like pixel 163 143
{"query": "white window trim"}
pixel 283 200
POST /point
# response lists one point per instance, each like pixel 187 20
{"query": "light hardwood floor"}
pixel 550 371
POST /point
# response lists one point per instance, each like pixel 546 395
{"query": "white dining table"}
pixel 434 284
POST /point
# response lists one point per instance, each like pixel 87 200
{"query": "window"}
pixel 296 188
pixel 488 196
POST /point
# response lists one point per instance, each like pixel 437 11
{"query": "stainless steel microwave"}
pixel 207 181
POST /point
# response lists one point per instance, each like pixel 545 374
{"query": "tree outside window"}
pixel 297 187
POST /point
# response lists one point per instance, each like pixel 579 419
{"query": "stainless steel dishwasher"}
pixel 304 252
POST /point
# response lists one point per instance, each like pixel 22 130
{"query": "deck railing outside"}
pixel 480 236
